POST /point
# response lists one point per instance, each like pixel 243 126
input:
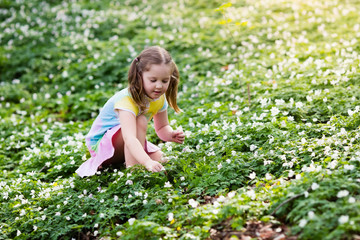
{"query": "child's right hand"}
pixel 153 166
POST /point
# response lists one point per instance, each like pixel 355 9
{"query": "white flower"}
pixel 314 186
pixel 168 184
pixel 129 182
pixel 251 194
pixel 35 228
pixel 268 176
pixel 299 104
pixel 252 175
pixel 116 198
pixel 349 167
pixel 231 194
pixel 253 147
pixel 302 223
pixel 306 194
pixel 343 219
pixel 342 193
pixel 182 178
pixel 274 111
pixel 131 221
pixel 170 216
pixel 311 215
pixel 193 203
pixel 352 200
pixel 96 233
pixel 18 233
pixel 119 234
pixel 219 166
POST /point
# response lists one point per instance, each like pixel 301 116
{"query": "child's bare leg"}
pixel 141 127
pixel 158 156
pixel 118 143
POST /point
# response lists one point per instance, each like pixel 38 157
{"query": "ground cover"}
pixel 286 163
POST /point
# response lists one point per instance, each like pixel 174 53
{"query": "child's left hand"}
pixel 178 136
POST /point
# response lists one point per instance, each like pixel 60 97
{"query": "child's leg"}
pixel 141 128
pixel 119 157
pixel 158 156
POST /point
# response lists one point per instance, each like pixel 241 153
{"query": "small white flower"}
pixel 18 233
pixel 311 215
pixel 219 166
pixel 170 216
pixel 129 182
pixel 193 203
pixel 96 233
pixel 253 147
pixel 343 219
pixel 35 228
pixel 116 198
pixel 342 193
pixel 314 186
pixel 252 175
pixel 119 234
pixel 302 223
pixel 352 200
pixel 145 202
pixel 306 194
pixel 268 176
pixel 57 214
pixel 182 178
pixel 168 184
pixel 299 104
pixel 131 221
pixel 231 194
pixel 274 111
pixel 251 193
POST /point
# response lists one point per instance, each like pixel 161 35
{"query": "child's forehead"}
pixel 158 69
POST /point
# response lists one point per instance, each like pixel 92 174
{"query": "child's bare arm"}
pixel 164 130
pixel 129 129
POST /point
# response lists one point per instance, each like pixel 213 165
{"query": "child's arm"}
pixel 164 131
pixel 128 130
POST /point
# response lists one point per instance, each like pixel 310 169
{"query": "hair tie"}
pixel 136 59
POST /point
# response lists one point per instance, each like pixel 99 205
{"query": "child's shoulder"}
pixel 122 93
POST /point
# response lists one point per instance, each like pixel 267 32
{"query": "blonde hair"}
pixel 152 55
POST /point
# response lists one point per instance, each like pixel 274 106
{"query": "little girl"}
pixel 118 134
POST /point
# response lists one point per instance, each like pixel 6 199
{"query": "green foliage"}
pixel 291 156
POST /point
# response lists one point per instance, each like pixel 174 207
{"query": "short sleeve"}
pixel 165 106
pixel 127 104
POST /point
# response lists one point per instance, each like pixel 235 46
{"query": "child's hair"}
pixel 141 64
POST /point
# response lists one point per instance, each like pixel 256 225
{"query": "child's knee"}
pixel 158 156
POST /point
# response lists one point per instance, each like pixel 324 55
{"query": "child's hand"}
pixel 154 166
pixel 178 135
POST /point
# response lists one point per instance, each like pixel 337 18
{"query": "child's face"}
pixel 156 80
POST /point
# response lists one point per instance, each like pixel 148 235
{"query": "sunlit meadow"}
pixel 270 98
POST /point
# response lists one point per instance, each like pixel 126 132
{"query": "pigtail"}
pixel 136 85
pixel 171 92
